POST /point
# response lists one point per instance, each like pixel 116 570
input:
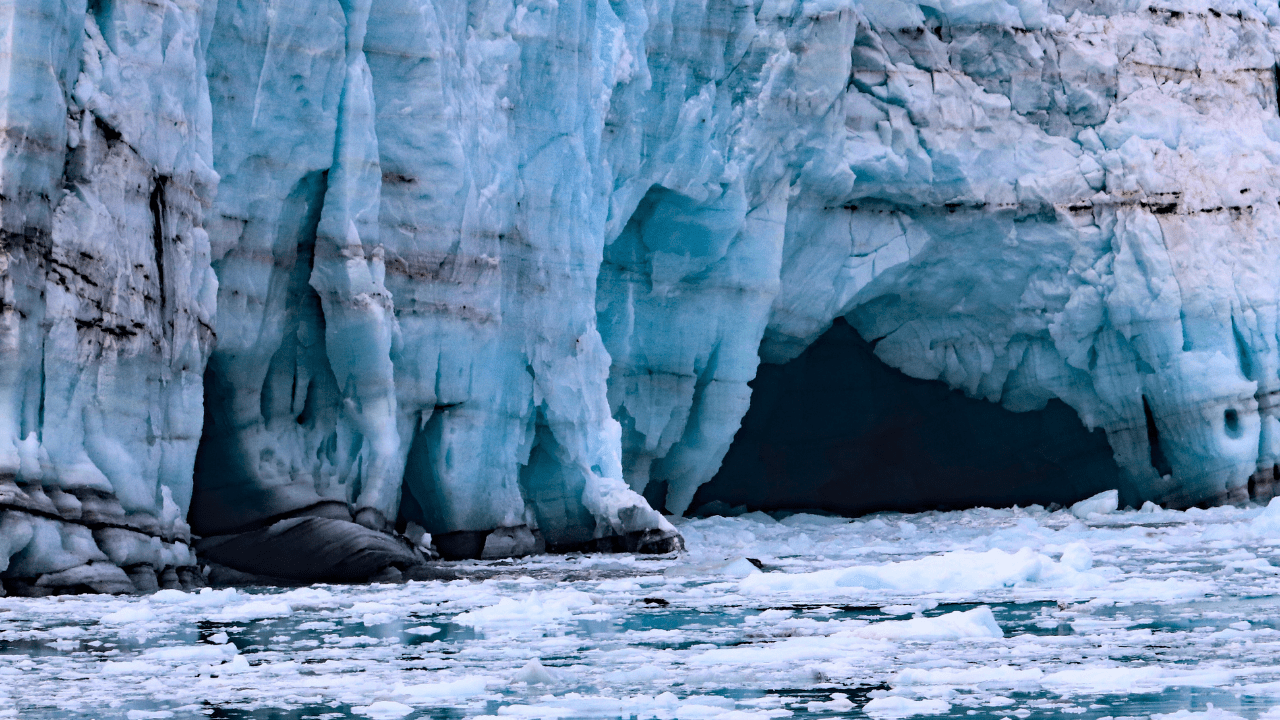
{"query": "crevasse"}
pixel 303 273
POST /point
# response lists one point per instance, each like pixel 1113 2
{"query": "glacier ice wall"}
pixel 498 265
pixel 1027 201
pixel 407 236
pixel 108 296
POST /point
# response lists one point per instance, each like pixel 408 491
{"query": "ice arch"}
pixel 835 429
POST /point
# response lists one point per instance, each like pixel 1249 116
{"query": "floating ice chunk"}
pixel 866 640
pixel 362 609
pixel 1145 589
pixel 423 630
pixel 192 653
pixel 643 674
pixel 252 610
pixel 1210 713
pixel 308 597
pixel 1149 507
pixel 839 702
pixel 448 690
pixel 206 598
pixel 148 714
pixel 532 611
pixel 618 585
pixel 909 609
pixel 1105 679
pixel 760 517
pixel 534 673
pixel 129 614
pixel 1260 565
pixel 900 707
pixel 743 714
pixel 1268 523
pixel 1101 504
pixel 703 707
pixel 1001 677
pixel 772 615
pixel 976 623
pixel 809 520
pixel 237 664
pixel 383 709
pixel 170 596
pixel 793 650
pixel 130 667
pixel 962 570
pixel 665 705
pixel 1077 556
pixel 741 567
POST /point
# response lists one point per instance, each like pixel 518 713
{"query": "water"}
pixel 1144 614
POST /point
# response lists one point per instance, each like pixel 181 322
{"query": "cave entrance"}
pixel 838 430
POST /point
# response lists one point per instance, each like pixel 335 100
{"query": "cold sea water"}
pixel 975 614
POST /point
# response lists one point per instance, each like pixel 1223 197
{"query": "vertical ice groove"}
pixel 360 323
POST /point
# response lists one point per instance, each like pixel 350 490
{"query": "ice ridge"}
pixel 326 270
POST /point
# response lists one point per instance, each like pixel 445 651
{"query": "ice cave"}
pixel 316 290
pixel 837 430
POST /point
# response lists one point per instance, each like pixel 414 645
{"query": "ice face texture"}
pixel 499 266
pixel 108 296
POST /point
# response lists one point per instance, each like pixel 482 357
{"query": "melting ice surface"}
pixel 983 613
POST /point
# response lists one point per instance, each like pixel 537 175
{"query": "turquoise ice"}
pixel 498 266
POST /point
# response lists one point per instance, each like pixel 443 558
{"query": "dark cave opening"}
pixel 298 393
pixel 839 431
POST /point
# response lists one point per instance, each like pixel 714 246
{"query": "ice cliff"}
pixel 299 273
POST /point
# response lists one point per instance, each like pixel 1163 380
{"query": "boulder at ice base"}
pixel 498 265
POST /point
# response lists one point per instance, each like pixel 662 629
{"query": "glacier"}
pixel 280 276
